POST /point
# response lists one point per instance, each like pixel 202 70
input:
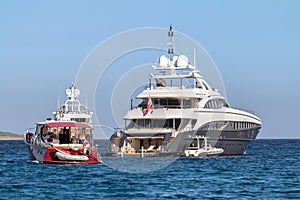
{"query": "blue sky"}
pixel 255 45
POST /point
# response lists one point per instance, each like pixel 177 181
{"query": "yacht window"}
pixel 198 85
pixel 157 123
pixel 170 103
pixel 131 123
pixel 187 103
pixel 216 103
pixel 168 123
pixel 177 123
pixel 143 103
pixel 153 123
pixel 210 104
pixel 156 102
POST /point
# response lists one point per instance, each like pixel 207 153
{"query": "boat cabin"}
pixel 64 132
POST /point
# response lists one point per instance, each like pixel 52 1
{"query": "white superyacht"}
pixel 177 109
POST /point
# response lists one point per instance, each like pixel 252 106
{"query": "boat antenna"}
pixel 58 99
pixel 170 43
pixel 195 81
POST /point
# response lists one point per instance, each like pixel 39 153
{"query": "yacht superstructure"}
pixel 72 109
pixel 179 106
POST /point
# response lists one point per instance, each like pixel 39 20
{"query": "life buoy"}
pixel 86 144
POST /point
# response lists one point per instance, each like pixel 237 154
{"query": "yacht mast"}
pixel 170 43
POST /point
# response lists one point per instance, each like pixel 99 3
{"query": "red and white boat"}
pixel 62 142
pixel 66 139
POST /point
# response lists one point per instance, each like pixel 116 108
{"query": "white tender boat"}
pixel 205 150
pixel 63 155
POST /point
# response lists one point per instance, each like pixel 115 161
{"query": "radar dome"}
pixel 76 92
pixel 182 61
pixel 68 92
pixel 163 61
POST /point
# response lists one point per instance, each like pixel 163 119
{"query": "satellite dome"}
pixel 72 92
pixel 182 61
pixel 163 61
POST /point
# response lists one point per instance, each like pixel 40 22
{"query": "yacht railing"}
pixel 176 86
pixel 148 128
pixel 246 110
pixel 165 107
pixel 175 83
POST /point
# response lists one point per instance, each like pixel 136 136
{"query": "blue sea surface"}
pixel 271 169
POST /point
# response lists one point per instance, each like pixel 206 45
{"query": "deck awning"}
pixel 67 124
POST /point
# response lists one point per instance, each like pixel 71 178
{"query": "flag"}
pixel 149 105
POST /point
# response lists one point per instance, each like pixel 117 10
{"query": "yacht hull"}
pixel 233 142
pixel 44 154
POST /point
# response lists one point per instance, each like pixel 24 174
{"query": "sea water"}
pixel 270 169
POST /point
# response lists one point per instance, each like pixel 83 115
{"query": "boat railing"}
pixel 159 106
pixel 175 86
pixel 147 128
pixel 28 135
pixel 178 82
pixel 246 110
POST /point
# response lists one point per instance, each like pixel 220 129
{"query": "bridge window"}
pixel 216 103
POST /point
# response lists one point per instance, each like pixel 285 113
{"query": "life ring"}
pixel 86 144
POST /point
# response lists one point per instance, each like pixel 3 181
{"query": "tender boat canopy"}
pixel 67 124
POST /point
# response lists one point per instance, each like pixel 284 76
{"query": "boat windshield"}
pixel 216 103
pixel 73 107
pixel 171 103
pixel 153 123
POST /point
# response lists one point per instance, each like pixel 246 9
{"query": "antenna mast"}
pixel 194 58
pixel 170 43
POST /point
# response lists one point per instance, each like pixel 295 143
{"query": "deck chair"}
pixel 150 149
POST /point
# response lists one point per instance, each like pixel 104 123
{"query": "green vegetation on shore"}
pixel 8 134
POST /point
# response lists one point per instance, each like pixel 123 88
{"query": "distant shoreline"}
pixel 11 138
